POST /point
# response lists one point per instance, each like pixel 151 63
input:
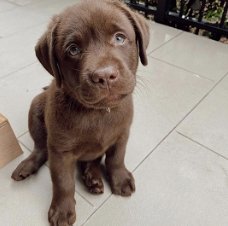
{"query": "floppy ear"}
pixel 142 34
pixel 141 28
pixel 45 52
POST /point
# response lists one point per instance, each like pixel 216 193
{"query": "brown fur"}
pixel 87 110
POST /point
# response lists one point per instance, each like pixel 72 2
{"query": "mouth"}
pixel 109 101
pixel 114 98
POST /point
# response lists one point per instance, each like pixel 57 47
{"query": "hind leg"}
pixel 38 132
pixel 91 175
pixel 30 165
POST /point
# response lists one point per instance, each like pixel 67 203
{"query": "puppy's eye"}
pixel 120 39
pixel 74 50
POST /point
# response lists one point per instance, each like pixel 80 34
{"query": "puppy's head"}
pixel 92 51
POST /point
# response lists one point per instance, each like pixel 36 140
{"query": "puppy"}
pixel 92 50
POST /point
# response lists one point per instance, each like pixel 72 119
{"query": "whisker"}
pixel 138 90
pixel 144 84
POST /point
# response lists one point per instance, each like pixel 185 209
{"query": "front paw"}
pixel 62 214
pixel 122 182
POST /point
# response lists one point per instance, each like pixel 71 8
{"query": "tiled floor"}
pixel 178 148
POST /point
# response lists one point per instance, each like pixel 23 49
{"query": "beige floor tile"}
pixel 208 123
pixel 165 97
pixel 27 202
pixel 5 6
pixel 24 2
pixel 202 56
pixel 50 8
pixel 18 20
pixel 18 51
pixel 160 34
pixel 181 183
pixel 17 92
pixel 224 83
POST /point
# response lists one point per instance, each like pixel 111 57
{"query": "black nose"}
pixel 104 77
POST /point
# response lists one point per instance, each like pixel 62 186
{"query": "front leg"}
pixel 121 180
pixel 62 168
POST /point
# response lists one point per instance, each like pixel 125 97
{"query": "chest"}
pixel 88 134
pixel 98 130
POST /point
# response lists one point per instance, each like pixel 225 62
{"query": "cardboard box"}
pixel 9 147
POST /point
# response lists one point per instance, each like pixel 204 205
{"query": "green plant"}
pixel 213 11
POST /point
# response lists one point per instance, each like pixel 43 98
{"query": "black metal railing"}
pixel 187 14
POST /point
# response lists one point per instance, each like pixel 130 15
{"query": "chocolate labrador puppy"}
pixel 92 51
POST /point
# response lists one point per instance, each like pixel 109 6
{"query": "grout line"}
pixel 84 198
pixel 44 22
pixel 188 138
pixel 88 218
pixel 199 102
pixel 25 146
pixel 17 70
pixel 153 149
pixel 22 134
pixel 14 6
pixel 163 44
pixel 173 65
